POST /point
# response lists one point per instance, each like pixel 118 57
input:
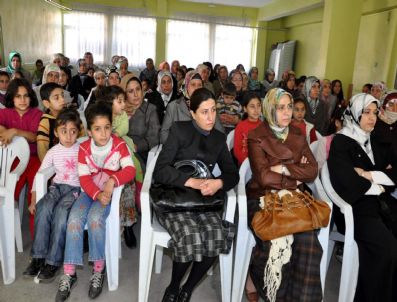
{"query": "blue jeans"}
pixel 86 210
pixel 50 223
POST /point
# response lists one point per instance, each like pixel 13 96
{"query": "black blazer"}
pixel 183 143
pixel 346 154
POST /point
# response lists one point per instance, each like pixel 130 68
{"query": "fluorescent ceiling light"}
pixel 57 5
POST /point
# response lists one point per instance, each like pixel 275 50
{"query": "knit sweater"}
pixel 117 165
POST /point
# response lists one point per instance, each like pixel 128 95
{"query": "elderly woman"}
pixel 363 172
pixel 280 158
pixel 236 77
pixel 163 95
pixel 254 84
pixel 144 126
pixel 179 110
pixel 220 82
pixel 378 90
pixel 316 109
pixel 50 75
pixel 197 238
pixel 270 81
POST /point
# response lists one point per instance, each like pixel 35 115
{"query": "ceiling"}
pixel 242 3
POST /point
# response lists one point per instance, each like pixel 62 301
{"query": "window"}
pixel 233 46
pixel 188 42
pixel 84 32
pixel 134 38
pixel 195 42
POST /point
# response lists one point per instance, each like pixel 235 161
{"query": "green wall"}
pixel 35 30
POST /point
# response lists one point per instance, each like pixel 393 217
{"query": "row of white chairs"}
pixel 154 238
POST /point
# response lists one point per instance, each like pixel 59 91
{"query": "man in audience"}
pixel 81 83
pixel 149 73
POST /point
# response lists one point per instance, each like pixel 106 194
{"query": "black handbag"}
pixel 167 198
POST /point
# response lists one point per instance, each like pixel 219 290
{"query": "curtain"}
pixel 84 32
pixel 233 45
pixel 134 38
pixel 188 42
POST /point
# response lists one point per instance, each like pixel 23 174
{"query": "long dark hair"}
pixel 13 90
pixel 340 94
pixel 198 96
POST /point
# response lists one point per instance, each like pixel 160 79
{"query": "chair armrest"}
pixel 230 205
pixel 41 179
pixel 145 196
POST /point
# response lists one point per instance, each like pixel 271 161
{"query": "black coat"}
pixel 183 143
pixel 76 86
pixel 155 98
pixel 386 135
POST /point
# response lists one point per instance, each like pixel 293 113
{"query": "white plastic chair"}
pixel 152 153
pixel 245 239
pixel 154 238
pixel 113 241
pixel 10 224
pixel 350 264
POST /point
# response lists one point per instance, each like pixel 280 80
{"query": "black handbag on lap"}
pixel 167 198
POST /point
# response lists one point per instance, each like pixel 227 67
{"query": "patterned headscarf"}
pixel 313 103
pixel 352 115
pixel 388 116
pixel 193 74
pixel 269 108
pixel 166 97
pixel 253 84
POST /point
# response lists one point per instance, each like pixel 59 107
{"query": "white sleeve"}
pixel 381 178
pixel 375 190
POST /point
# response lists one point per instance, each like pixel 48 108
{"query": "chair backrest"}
pixel 325 180
pixel 230 140
pixel 245 172
pixel 19 148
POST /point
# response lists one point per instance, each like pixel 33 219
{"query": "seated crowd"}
pixel 96 127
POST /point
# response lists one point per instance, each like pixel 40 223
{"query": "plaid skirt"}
pixel 300 276
pixel 127 205
pixel 194 235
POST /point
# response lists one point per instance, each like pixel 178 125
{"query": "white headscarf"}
pixel 352 115
pixel 166 97
pixel 50 68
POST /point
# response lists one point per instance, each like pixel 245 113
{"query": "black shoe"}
pixel 184 296
pixel 66 284
pixel 34 267
pixel 96 284
pixel 129 237
pixel 170 296
pixel 47 274
pixel 85 242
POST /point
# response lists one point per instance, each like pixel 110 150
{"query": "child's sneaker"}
pixel 66 284
pixel 34 267
pixel 96 284
pixel 47 274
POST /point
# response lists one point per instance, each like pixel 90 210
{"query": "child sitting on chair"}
pixel 104 162
pixel 53 208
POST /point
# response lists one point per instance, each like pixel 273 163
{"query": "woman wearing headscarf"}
pixel 270 81
pixel 280 158
pixel 221 80
pixel 378 90
pixel 316 110
pixel 50 75
pixel 363 173
pixel 236 77
pixel 15 64
pixel 163 95
pixel 254 84
pixel 327 97
pixel 179 110
pixel 385 131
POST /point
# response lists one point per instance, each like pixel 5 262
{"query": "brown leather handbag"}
pixel 295 212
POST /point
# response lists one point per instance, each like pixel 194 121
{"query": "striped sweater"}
pixel 117 165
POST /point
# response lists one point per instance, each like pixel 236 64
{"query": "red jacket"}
pixel 118 165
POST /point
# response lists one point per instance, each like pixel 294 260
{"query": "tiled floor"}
pixel 23 290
